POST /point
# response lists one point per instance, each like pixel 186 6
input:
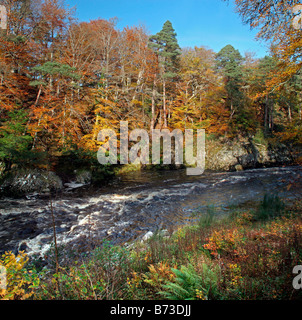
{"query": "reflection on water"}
pixel 130 206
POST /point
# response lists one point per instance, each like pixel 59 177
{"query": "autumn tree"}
pixel 122 90
pixel 199 102
pixel 15 91
pixel 279 23
pixel 274 20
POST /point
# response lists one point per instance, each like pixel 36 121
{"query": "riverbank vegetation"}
pixel 248 254
pixel 62 81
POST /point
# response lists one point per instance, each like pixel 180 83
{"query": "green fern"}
pixel 187 283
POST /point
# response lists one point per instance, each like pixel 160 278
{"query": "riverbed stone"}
pixel 147 236
pixel 238 167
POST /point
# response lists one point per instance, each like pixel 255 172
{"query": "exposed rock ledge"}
pixel 244 154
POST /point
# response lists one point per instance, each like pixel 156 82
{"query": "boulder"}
pixel 147 236
pixel 25 181
pixel 83 176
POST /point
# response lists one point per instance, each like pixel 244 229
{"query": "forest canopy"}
pixel 62 80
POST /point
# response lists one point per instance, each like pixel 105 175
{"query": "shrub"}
pixel 159 275
pixel 101 276
pixel 20 282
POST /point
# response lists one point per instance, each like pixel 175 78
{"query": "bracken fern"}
pixel 189 285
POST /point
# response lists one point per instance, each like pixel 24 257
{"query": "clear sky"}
pixel 210 23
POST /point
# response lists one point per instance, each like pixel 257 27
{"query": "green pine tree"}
pixel 229 63
pixel 229 60
pixel 165 44
pixel 15 143
pixel 265 69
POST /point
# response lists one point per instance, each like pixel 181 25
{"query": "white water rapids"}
pixel 129 207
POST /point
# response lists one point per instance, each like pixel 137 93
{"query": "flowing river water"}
pixel 130 206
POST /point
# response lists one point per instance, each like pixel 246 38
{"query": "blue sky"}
pixel 210 23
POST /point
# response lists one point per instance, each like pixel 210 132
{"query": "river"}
pixel 130 206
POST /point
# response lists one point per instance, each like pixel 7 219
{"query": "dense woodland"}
pixel 62 80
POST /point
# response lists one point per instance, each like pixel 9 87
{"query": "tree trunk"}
pixel 50 77
pixel 38 95
pixel 289 113
pixel 95 132
pixel 153 106
pixel 271 116
pixel 138 83
pixel 164 104
pixel 266 114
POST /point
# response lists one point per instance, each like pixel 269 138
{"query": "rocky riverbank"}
pixel 221 156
